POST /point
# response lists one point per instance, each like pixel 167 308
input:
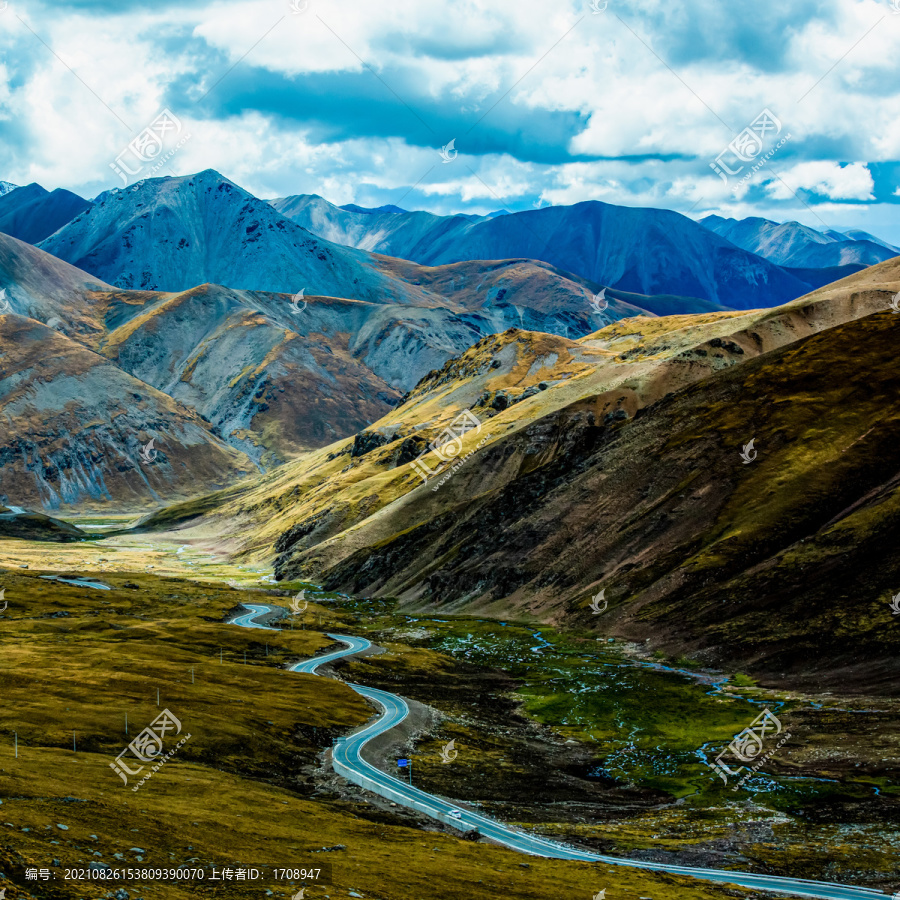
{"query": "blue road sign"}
pixel 402 763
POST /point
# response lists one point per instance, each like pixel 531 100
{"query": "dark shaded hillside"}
pixel 784 566
pixel 32 213
pixel 32 526
pixel 820 277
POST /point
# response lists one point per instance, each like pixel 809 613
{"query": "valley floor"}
pixel 579 739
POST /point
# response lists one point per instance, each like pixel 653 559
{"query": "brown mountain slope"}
pixel 73 426
pixel 522 292
pixel 45 288
pixel 271 382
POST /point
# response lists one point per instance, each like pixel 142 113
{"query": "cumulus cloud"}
pixel 829 180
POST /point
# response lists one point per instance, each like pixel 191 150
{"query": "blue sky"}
pixel 545 102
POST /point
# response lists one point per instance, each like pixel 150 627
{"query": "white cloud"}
pixel 837 182
pixel 448 44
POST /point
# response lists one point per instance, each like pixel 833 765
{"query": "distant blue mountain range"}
pixel 798 246
pixel 642 253
pixel 31 213
pixel 645 251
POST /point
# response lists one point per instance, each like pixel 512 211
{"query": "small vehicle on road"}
pixel 455 814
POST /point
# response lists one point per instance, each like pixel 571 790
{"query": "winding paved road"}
pixel 348 761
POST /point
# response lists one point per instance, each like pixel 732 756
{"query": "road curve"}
pixel 347 760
